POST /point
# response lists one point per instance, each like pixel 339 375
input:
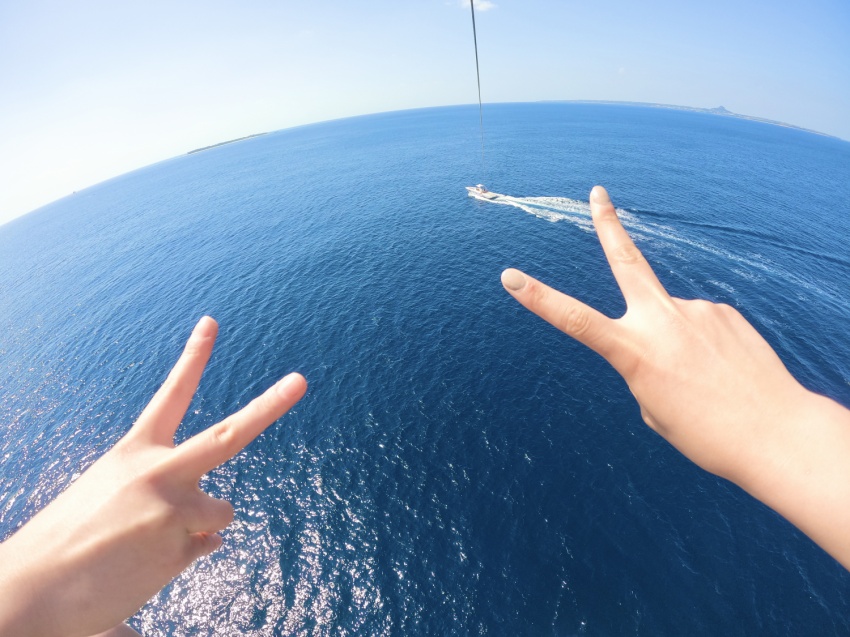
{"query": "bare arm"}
pixel 712 386
pixel 136 518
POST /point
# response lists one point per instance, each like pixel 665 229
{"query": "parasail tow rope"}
pixel 478 77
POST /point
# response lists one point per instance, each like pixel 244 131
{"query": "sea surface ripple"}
pixel 458 466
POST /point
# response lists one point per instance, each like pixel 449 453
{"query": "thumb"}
pixel 201 544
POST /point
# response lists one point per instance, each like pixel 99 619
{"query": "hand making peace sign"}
pixel 708 382
pixel 137 517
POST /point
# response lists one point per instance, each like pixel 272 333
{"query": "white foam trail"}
pixel 552 209
pixel 753 266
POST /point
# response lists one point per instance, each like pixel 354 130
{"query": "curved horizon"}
pixel 192 75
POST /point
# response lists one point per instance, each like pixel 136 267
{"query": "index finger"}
pixel 571 316
pixel 632 271
pixel 218 444
pixel 161 418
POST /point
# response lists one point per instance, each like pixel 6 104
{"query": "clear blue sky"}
pixel 92 89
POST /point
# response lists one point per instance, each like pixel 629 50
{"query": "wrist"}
pixel 776 448
pixel 802 472
pixel 794 448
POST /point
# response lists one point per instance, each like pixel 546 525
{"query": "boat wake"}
pixel 556 209
pixel 751 265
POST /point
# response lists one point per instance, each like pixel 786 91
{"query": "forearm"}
pixel 27 607
pixel 803 473
pixel 20 613
pixel 39 591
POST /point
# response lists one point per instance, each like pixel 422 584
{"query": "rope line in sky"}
pixel 478 77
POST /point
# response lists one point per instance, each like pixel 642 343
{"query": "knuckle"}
pixel 538 298
pixel 175 387
pixel 710 311
pixel 158 516
pixel 536 293
pixel 172 516
pixel 171 384
pixel 731 315
pixel 262 408
pixel 192 349
pixel 266 402
pixel 223 435
pixel 703 307
pixel 605 214
pixel 573 320
pixel 627 254
pixel 195 346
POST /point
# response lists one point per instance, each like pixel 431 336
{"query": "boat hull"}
pixel 485 195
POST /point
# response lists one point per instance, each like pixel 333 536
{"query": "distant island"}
pixel 229 141
pixel 718 110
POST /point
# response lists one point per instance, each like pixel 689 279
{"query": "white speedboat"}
pixel 480 192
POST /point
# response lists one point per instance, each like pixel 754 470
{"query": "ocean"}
pixel 457 466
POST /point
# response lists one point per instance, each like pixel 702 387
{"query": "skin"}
pixel 136 518
pixel 709 384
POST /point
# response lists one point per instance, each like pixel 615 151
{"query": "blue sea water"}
pixel 458 466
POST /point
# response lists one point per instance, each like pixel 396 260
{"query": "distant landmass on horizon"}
pixel 718 110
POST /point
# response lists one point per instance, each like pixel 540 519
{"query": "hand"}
pixel 137 517
pixel 711 385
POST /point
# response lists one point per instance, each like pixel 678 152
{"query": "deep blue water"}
pixel 458 466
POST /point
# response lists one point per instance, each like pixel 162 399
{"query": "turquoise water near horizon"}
pixel 457 466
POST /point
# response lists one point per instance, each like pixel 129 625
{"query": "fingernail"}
pixel 512 279
pixel 205 327
pixel 599 196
